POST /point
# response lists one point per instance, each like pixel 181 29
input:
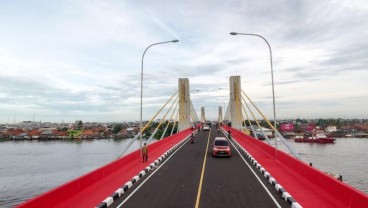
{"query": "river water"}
pixel 29 168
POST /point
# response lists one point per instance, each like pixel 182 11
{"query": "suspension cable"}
pixel 196 119
pixel 251 112
pixel 246 114
pixel 243 109
pixel 277 133
pixel 264 117
pixel 162 120
pixel 141 132
pixel 176 118
pixel 168 123
pixel 250 124
pixel 260 127
pixel 227 112
pixel 144 128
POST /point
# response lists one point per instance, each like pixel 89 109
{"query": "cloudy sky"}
pixel 73 59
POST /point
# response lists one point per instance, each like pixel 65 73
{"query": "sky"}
pixel 81 60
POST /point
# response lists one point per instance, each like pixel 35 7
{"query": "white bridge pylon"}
pixel 184 104
pixel 234 109
pixel 187 114
pixel 219 114
pixel 235 103
pixel 203 115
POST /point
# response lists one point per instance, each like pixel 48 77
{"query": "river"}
pixel 29 168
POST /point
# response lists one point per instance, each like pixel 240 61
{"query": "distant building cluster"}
pixel 335 128
pixel 298 127
pixel 28 130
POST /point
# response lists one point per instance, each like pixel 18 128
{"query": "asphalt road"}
pixel 192 177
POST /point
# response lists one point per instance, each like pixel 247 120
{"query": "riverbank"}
pixel 60 139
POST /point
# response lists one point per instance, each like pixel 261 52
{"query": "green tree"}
pixel 79 124
pixel 159 133
pixel 117 128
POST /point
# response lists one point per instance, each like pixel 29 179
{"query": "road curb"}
pixel 119 192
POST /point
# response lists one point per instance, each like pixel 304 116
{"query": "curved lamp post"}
pixel 273 89
pixel 141 127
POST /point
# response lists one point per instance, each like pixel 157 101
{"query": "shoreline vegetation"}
pixel 46 131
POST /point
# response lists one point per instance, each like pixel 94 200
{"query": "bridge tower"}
pixel 203 115
pixel 235 102
pixel 227 112
pixel 220 114
pixel 184 104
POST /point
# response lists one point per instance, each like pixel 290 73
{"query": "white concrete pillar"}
pixel 227 112
pixel 203 115
pixel 220 114
pixel 235 102
pixel 184 104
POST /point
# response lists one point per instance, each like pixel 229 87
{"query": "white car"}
pixel 206 128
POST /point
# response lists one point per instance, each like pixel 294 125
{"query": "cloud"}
pixel 165 28
pixel 82 60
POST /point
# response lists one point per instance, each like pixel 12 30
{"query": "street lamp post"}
pixel 273 89
pixel 141 123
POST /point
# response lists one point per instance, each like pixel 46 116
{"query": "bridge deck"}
pixel 226 182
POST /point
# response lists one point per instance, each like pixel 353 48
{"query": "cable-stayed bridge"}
pixel 183 174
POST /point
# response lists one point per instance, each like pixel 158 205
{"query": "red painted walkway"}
pixel 307 185
pixel 91 189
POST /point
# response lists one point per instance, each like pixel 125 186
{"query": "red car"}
pixel 221 147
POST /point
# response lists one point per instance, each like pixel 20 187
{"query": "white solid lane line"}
pixel 140 185
pixel 259 180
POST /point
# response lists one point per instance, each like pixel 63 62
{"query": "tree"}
pixel 79 124
pixel 159 133
pixel 117 128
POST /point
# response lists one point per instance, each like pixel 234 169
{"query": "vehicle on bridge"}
pixel 221 147
pixel 191 138
pixel 205 127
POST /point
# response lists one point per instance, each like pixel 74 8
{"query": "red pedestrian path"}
pixel 307 185
pixel 91 189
